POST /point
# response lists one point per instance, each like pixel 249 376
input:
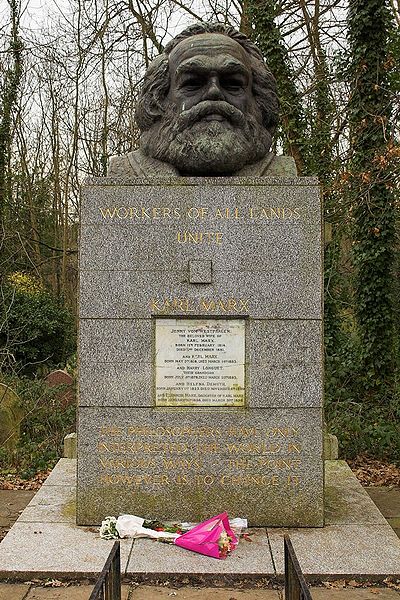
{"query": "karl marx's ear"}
pixel 152 98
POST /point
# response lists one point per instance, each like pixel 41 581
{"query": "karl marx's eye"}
pixel 192 83
pixel 233 83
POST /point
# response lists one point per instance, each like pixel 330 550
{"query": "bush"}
pixel 35 328
pixel 43 428
pixel 361 424
pixel 364 429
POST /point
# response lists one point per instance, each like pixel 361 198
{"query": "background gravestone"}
pixel 66 395
pixel 11 415
pixel 200 350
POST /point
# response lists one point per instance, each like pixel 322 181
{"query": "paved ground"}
pixel 387 500
pixel 12 502
pixel 133 592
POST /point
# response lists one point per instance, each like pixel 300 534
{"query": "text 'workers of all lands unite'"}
pixel 203 214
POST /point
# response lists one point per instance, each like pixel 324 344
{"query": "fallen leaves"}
pixel 55 583
pixel 372 472
pixel 339 583
pixel 394 584
pixel 372 585
pixel 14 482
pixel 355 584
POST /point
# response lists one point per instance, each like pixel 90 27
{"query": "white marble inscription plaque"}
pixel 200 362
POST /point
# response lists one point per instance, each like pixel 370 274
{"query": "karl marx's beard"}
pixel 200 143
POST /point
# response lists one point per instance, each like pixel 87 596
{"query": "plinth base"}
pixel 357 542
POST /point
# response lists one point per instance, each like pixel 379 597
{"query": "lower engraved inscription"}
pixel 152 457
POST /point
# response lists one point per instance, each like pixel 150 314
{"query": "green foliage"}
pixel 267 36
pixel 9 88
pixel 36 329
pixel 365 428
pixel 372 179
pixel 362 425
pixel 362 400
pixel 43 428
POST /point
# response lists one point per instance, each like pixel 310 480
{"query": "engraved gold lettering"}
pixel 238 463
pixel 133 211
pixel 226 213
pixel 134 480
pixel 294 448
pixel 293 480
pixel 154 305
pixel 251 461
pixel 137 447
pixel 232 305
pixel 182 464
pixel 103 447
pixel 127 463
pixel 110 430
pixel 154 213
pixel 145 213
pixel 199 237
pixel 197 212
pixel 221 305
pixel 158 213
pixel 182 480
pixel 282 432
pixel 277 212
pixel 207 304
pixel 253 448
pixel 208 449
pixel 264 213
pixel 251 479
pixel 243 305
pixel 204 479
pixel 193 237
pixel 176 431
pixel 171 304
pixel 108 212
pixel 122 212
pixel 278 463
pixel 242 431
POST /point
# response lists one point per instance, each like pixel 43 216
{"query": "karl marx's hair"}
pixel 151 102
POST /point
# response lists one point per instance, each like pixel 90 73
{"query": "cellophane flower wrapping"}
pixel 213 537
pixel 108 529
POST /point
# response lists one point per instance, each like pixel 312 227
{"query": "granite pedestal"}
pixel 200 350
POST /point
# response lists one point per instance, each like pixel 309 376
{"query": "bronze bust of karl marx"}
pixel 208 107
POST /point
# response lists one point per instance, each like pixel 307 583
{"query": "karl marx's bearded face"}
pixel 211 124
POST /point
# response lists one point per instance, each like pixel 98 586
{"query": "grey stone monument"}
pixel 200 346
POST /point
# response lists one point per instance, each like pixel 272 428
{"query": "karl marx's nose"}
pixel 213 90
